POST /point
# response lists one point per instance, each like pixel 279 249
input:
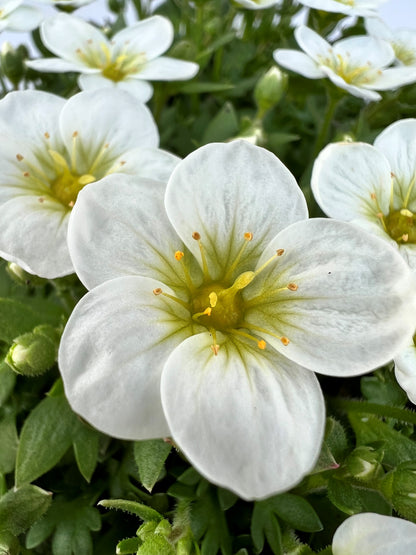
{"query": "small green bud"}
pixel 146 530
pixel 164 528
pixel 12 62
pixel 22 277
pixel 270 89
pixel 35 352
pixel 364 463
pixel 184 50
pixel 399 487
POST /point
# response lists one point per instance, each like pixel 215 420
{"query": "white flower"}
pixel 204 324
pixel 403 41
pixel 374 534
pixel 374 187
pixel 16 17
pixel 49 150
pixel 357 64
pixel 348 7
pixel 257 4
pixel 127 61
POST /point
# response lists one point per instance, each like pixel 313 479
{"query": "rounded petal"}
pixel 223 191
pixel 356 90
pixel 394 78
pixel 24 18
pixel 313 44
pixel 154 163
pixel 374 534
pixel 352 181
pixel 249 421
pixel 140 90
pixel 398 144
pixel 56 65
pixel 31 114
pixel 353 308
pixel 168 69
pixel 405 370
pixel 118 227
pixel 365 8
pixel 256 4
pixel 376 27
pixel 299 62
pixel 365 51
pixel 65 35
pixel 33 234
pixel 151 36
pixel 112 353
pixel 105 117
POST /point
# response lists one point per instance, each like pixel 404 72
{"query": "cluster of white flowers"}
pixel 213 298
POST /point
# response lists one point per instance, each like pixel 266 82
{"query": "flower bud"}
pixel 35 352
pixel 22 277
pixel 12 62
pixel 184 50
pixel 399 487
pixel 270 89
pixel 364 463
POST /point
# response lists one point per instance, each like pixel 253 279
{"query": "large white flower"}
pixel 357 64
pixel 374 534
pixel 205 323
pixel 364 8
pixel 403 41
pixel 128 61
pixel 374 187
pixel 14 16
pixel 49 150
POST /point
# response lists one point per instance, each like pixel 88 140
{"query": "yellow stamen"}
pixel 206 312
pixel 159 291
pixel 179 255
pixel 282 338
pixel 247 238
pixel 292 286
pixel 197 237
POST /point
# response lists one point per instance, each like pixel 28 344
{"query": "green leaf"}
pixel 8 442
pixel 16 318
pixel 20 508
pixel 142 511
pixel 296 511
pixel 265 526
pixel 223 126
pixel 383 388
pixel 128 546
pixel 352 499
pixel 7 382
pixel 46 436
pixel 199 87
pixel 208 523
pixel 150 457
pixel 86 447
pixel 156 545
pixel 370 429
pixel 334 447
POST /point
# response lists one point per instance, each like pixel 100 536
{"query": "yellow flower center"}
pixel 399 223
pixel 406 55
pixel 219 305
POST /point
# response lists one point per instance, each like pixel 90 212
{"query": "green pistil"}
pixel 67 186
pixel 401 226
pixel 226 306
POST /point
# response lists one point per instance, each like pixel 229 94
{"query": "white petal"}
pixel 154 163
pixel 24 18
pixel 65 34
pixel 354 306
pixel 398 144
pixel 151 36
pixel 344 178
pixel 223 191
pixel 299 62
pixel 405 370
pixel 168 69
pixel 393 78
pixel 257 4
pixel 140 90
pixel 101 117
pixel 358 91
pixel 374 534
pixel 118 227
pixel 363 51
pixel 33 234
pixel 112 353
pixel 31 114
pixel 376 27
pixel 249 421
pixel 313 44
pixel 56 65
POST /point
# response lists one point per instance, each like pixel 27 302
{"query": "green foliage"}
pixel 21 507
pixel 150 458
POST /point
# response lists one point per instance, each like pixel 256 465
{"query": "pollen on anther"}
pixel 74 134
pixel 46 135
pixel 285 340
pixel 179 255
pixel 196 236
pixel 279 252
pixel 248 236
pixel 261 344
pixel 26 174
pixel 405 237
pixel 19 157
pixel 373 196
pixel 215 349
pixel 208 311
pixel 292 286
pixel 157 291
pixel 41 199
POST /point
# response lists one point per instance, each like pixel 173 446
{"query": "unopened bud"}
pixel 22 277
pixel 270 89
pixel 35 352
pixel 184 50
pixel 12 62
pixel 399 487
pixel 364 463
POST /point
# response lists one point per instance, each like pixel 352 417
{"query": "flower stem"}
pixel 326 123
pixel 351 405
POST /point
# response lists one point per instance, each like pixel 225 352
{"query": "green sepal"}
pixel 352 498
pixel 150 456
pixel 138 509
pixel 128 546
